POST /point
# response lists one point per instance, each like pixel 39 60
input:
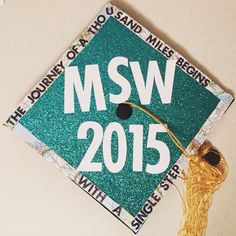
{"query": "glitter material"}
pixel 190 107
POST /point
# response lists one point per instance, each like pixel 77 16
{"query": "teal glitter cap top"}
pixel 88 125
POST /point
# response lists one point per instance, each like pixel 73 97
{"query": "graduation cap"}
pixel 123 115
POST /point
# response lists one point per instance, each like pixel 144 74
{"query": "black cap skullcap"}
pixel 212 157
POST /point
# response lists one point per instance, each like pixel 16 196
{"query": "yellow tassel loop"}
pixel 206 171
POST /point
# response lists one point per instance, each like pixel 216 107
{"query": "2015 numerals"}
pixel 104 138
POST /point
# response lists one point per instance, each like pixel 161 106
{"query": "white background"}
pixel 35 198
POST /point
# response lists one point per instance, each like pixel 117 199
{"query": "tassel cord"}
pixel 201 181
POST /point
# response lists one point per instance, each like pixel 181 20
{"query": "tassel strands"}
pixel 201 181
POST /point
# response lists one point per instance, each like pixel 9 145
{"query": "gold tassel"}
pixel 206 171
pixel 201 181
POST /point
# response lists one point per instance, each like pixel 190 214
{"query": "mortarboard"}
pixel 123 115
